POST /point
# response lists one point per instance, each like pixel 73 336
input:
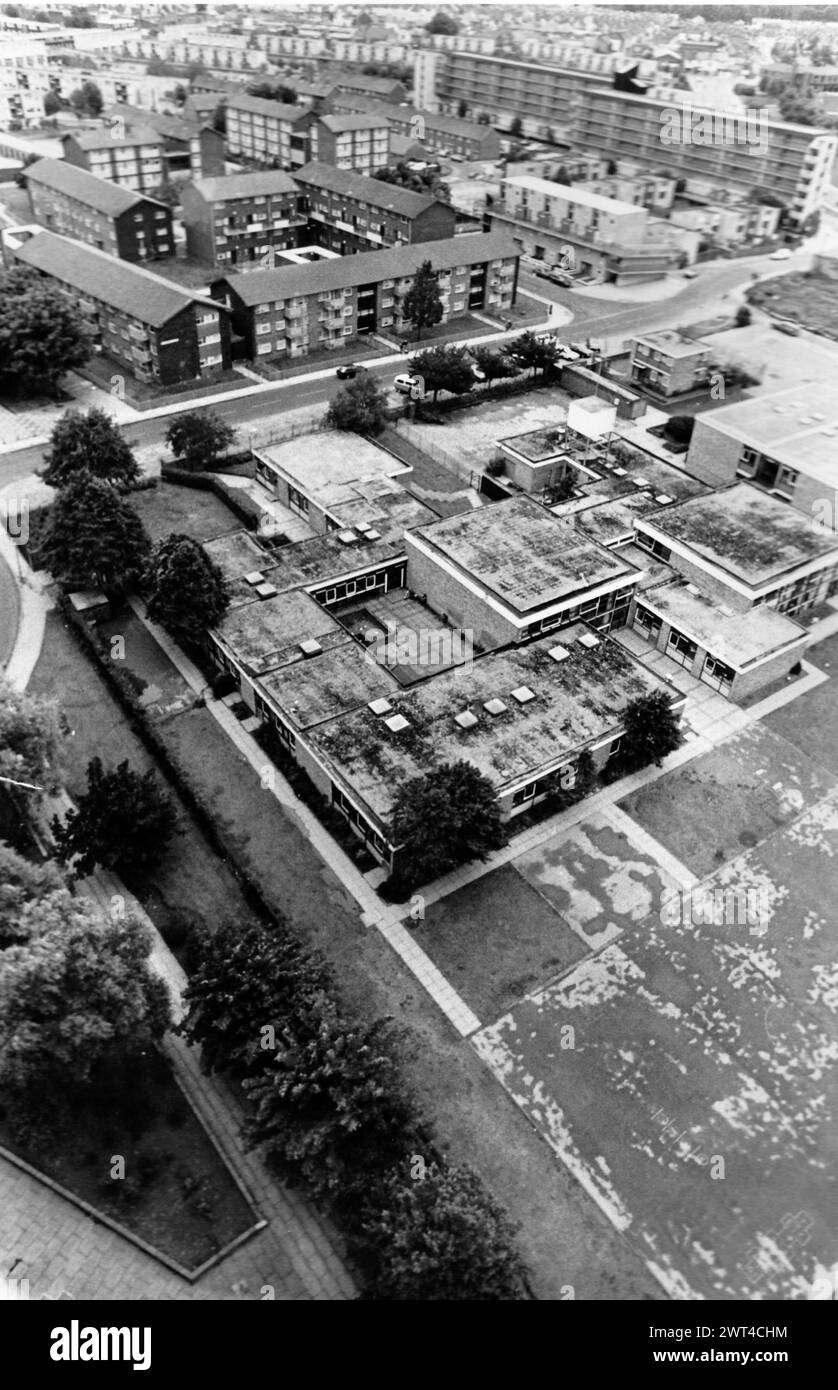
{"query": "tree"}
pixel 93 539
pixel 23 886
pixel 77 1000
pixel 92 98
pixel 30 740
pixel 248 978
pixel 494 365
pixel 516 129
pixel 561 176
pixel 743 316
pixel 180 93
pixel 611 167
pixel 359 406
pixel 443 369
pixel 651 733
pixel 680 428
pixel 440 1237
pixel 20 176
pixel 422 305
pixel 219 119
pixel 442 23
pixel 123 822
pixel 417 180
pixel 529 352
pixel 167 192
pixel 92 444
pixel 198 437
pixel 51 104
pixel 42 334
pixel 188 592
pixel 329 1109
pixel 445 818
pixel 273 91
pixel 462 108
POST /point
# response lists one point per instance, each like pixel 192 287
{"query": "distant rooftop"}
pixel 377 192
pixel 104 140
pixel 673 343
pixel 578 699
pixel 344 124
pixel 754 537
pixel 522 554
pixel 736 638
pixel 262 106
pixel 101 194
pixel 797 426
pixel 331 467
pixel 258 184
pixel 570 195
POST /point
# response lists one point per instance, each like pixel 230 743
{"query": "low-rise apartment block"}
pixel 594 237
pixel 360 142
pixel 153 329
pixel 77 204
pixel 293 311
pixel 261 130
pixel 667 363
pixel 242 219
pixel 438 133
pixel 353 213
pixel 729 224
pixel 189 146
pixel 132 158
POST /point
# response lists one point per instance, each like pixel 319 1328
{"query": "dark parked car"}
pixel 349 369
pixel 784 327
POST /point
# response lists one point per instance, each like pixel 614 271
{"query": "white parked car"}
pixel 407 384
pixel 783 254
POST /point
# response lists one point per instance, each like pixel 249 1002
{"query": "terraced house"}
pixel 242 218
pixel 69 200
pixel 296 310
pixel 352 213
pixel 153 329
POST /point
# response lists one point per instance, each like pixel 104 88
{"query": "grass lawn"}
pixel 495 939
pixel 190 883
pixel 730 799
pixel 164 691
pixel 190 510
pixel 185 271
pixel 811 721
pixel 176 1193
pixel 811 301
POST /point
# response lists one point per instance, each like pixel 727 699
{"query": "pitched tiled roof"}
pixel 342 123
pixel 261 106
pixel 103 140
pixel 127 287
pixel 266 286
pixel 101 194
pixel 380 194
pixel 136 117
pixel 255 185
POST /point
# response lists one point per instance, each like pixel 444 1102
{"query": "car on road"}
pixel 349 369
pixel 690 274
pixel 783 326
pixel 783 254
pixel 556 277
pixel 407 384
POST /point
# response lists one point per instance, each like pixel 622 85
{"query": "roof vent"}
pixel 587 639
pixel 379 707
pixel 807 419
pixel 620 472
pixel 691 589
pixel 373 535
pixel 642 482
pixel 495 707
pixel 266 590
pixel 663 498
pixel 466 719
pixel 779 409
pixel 396 723
pixel 559 653
pixel 310 647
pixel 347 537
pixel 523 694
pixel 255 577
pixel 816 416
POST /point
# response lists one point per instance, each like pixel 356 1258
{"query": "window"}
pixel 262 349
pixel 680 648
pixel 297 500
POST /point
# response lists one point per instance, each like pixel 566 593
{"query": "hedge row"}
pixel 241 503
pixel 328 1104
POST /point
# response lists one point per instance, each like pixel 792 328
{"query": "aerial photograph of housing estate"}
pixel 418 620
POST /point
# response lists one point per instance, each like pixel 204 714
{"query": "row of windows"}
pixel 353 815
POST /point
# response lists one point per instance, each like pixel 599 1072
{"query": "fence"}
pixel 419 441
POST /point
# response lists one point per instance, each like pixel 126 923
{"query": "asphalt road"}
pixel 592 318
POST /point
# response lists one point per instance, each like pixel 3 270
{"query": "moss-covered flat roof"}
pixel 236 555
pixel 754 537
pixel 266 633
pixel 577 701
pixel 736 638
pixel 523 554
pixel 328 685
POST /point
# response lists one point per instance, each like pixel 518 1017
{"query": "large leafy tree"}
pixel 123 821
pixel 42 334
pixel 329 1109
pixel 417 180
pixel 494 365
pixel 198 437
pixel 530 353
pixel 76 999
pixel 442 23
pixel 445 818
pixel 188 592
pixel 30 740
pixel 251 982
pixel 93 539
pixel 443 369
pixel 23 888
pixel 441 1235
pixel 422 305
pixel 359 406
pixel 91 443
pixel 652 731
